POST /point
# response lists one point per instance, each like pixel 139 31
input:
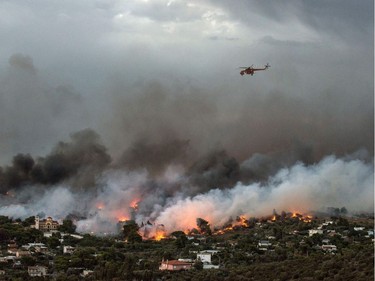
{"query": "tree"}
pixel 53 242
pixel 29 221
pixel 203 226
pixel 198 265
pixel 130 230
pixel 67 226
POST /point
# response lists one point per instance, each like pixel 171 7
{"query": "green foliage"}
pixel 67 226
pixel 29 221
pixel 198 265
pixel 130 231
pixel 5 220
pixel 53 242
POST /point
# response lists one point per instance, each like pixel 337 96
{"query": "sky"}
pixel 161 77
pixel 70 65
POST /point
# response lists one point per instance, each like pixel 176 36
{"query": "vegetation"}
pixel 292 254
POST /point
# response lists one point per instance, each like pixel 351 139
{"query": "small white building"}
pixel 315 231
pixel 210 266
pixel 264 243
pixel 359 228
pixel 37 270
pixel 68 250
pixel 33 245
pixel 86 272
pixel 329 248
pixel 204 257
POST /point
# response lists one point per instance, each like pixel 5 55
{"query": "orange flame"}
pixel 123 218
pixel 134 204
pixel 160 233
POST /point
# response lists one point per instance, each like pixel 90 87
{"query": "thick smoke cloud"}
pixel 210 188
pixel 299 188
pixel 173 124
pixel 155 158
pixel 79 161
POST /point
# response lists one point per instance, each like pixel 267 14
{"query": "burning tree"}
pixel 203 226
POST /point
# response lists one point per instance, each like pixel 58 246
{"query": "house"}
pixel 86 272
pixel 46 225
pixel 210 266
pixel 33 245
pixel 12 247
pixel 204 257
pixel 37 270
pixel 315 231
pixel 329 248
pixel 175 265
pixel 359 228
pixel 22 253
pixel 68 250
pixel 186 260
pixel 41 249
pixel 325 241
pixel 264 244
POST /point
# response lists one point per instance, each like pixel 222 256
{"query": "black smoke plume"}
pixel 79 160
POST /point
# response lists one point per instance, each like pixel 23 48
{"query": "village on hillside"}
pixel 47 249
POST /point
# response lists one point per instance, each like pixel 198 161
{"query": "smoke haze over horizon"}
pixel 142 101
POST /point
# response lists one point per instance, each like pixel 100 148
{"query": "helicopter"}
pixel 251 70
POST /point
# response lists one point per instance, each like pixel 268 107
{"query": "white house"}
pixel 264 243
pixel 359 228
pixel 68 249
pixel 37 270
pixel 315 231
pixel 329 248
pixel 204 257
pixel 209 266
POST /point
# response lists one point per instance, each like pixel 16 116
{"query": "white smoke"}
pixel 332 182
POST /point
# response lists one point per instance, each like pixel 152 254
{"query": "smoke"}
pixel 155 158
pixel 168 199
pixel 80 161
pixel 170 152
pixel 331 182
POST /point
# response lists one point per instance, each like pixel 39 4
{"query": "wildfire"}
pixel 122 218
pixel 160 235
pixel 242 221
pixel 134 204
pixel 160 232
